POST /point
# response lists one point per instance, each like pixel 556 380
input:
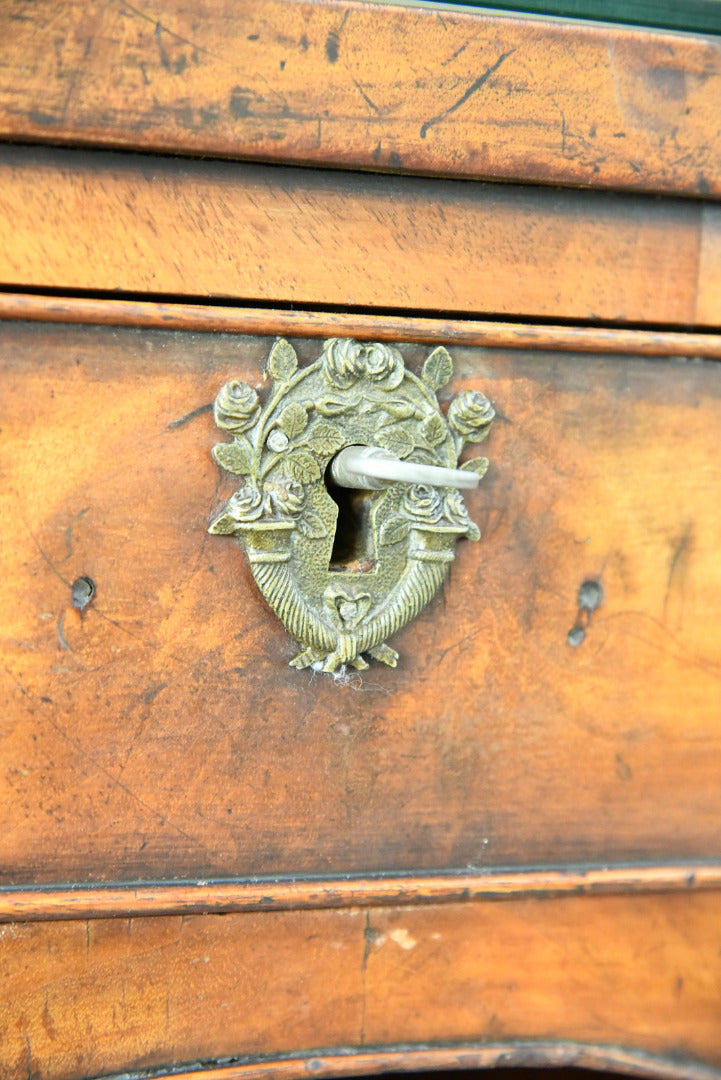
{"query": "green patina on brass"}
pixel 355 394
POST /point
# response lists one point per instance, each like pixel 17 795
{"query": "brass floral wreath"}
pixel 354 394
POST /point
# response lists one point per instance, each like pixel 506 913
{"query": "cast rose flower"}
pixel 346 361
pixel 469 415
pixel 236 407
pixel 424 503
pixel 246 504
pixel 340 356
pixel 285 497
pixel 455 512
pixel 383 364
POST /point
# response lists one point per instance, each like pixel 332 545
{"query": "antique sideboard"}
pixel 505 850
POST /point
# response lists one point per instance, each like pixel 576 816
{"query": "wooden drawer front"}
pixel 161 734
pixel 386 87
pixel 115 223
pixel 512 982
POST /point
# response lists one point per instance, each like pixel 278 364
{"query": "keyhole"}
pixel 353 547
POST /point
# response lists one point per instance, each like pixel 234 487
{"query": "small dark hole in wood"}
pixel 82 592
pixel 590 595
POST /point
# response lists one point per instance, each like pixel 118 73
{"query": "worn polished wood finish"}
pixel 369 86
pixel 156 225
pixel 506 851
pixel 137 747
pixel 320 324
pixel 116 994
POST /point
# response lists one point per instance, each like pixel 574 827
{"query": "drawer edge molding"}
pixel 214 318
pixel 137 899
pixel 369 1061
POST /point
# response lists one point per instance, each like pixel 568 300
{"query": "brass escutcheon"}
pixel 345 569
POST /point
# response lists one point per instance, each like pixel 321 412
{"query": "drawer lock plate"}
pixel 349 505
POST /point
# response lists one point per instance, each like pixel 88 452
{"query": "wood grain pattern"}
pixel 294 323
pixel 140 738
pixel 93 999
pixel 369 86
pixel 284 236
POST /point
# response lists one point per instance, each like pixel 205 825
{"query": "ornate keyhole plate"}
pixel 355 394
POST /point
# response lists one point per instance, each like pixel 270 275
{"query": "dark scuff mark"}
pixel 43 118
pixel 394 160
pixel 149 695
pixel 240 100
pixel 332 46
pixel 253 37
pixel 332 42
pixel 184 117
pixel 190 416
pixel 174 66
pixel 209 116
pixel 666 80
pixel 702 185
pixel 472 89
pixel 623 769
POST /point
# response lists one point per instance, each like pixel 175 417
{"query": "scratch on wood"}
pixel 190 416
pixel 457 53
pixel 676 573
pixel 472 89
pixel 371 104
pixel 69 534
pixel 368 935
pixel 64 644
pixel 19 685
pixel 166 30
pixel 48 560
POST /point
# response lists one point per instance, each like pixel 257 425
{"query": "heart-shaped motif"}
pixel 348 606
